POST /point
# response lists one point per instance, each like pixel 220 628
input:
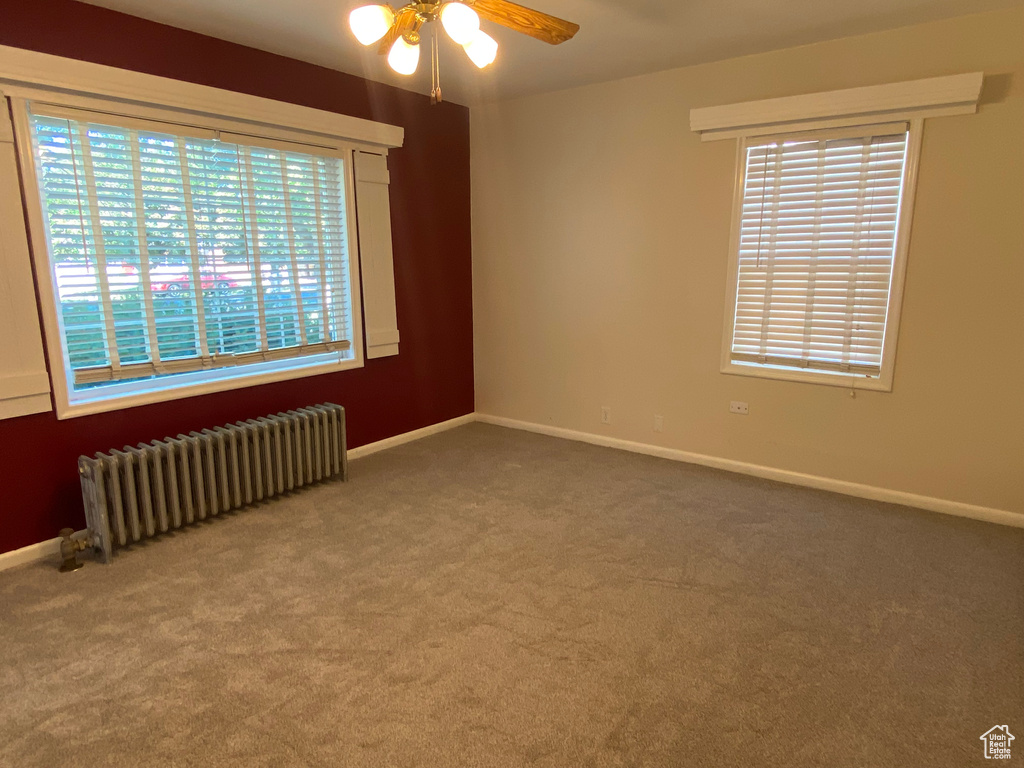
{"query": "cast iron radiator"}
pixel 140 492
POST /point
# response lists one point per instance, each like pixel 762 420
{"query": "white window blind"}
pixel 817 240
pixel 176 249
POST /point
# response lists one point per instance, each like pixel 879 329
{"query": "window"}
pixel 820 238
pixel 174 253
pixel 184 239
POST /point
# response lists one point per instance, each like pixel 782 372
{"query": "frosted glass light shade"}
pixel 370 23
pixel 404 58
pixel 460 22
pixel 482 49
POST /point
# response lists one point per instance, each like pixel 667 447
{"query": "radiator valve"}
pixel 69 549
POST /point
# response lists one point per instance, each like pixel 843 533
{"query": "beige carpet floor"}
pixel 487 597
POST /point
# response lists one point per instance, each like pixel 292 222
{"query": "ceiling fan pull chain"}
pixel 435 70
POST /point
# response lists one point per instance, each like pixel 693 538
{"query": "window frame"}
pixel 884 381
pixel 68 403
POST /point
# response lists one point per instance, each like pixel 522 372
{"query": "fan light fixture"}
pixel 481 48
pixel 460 22
pixel 371 22
pixel 399 31
pixel 405 54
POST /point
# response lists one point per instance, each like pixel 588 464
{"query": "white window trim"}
pixel 24 382
pixel 883 382
pixel 381 312
pixel 70 405
pixel 27 75
pixel 906 101
pixel 910 101
pixel 71 78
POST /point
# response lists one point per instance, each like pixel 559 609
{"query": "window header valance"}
pixel 933 97
pixel 28 73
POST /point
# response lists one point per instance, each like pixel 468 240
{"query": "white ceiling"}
pixel 618 38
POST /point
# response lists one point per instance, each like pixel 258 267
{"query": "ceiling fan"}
pixel 399 31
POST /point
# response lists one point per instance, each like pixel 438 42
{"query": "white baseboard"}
pixel 30 553
pixel 33 552
pixel 945 506
pixel 408 437
pixel 51 547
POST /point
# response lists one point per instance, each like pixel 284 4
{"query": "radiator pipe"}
pixel 70 547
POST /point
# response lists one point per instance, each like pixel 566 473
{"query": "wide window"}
pixel 181 255
pixel 820 240
pixel 182 239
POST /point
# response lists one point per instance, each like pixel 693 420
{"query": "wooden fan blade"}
pixel 550 29
pixel 405 21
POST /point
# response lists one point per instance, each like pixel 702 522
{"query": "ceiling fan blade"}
pixel 405 21
pixel 550 29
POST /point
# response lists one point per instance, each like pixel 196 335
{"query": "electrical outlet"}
pixel 659 424
pixel 606 414
pixel 737 407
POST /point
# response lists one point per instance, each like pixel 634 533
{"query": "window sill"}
pixel 779 373
pixel 180 390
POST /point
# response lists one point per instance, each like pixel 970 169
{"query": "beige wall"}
pixel 600 245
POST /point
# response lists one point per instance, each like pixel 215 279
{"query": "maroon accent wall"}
pixel 431 380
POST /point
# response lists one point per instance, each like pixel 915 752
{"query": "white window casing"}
pixel 68 79
pixel 24 383
pixel 822 213
pixel 273 143
pixel 867 105
pixel 378 271
pixel 819 250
